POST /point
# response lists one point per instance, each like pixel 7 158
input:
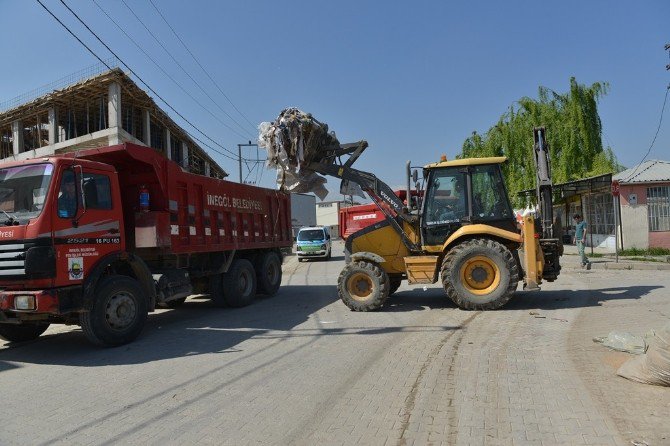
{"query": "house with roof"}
pixel 645 205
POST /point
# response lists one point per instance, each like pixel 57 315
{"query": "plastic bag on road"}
pixel 624 342
pixel 654 366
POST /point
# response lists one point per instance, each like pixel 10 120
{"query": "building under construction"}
pixel 99 110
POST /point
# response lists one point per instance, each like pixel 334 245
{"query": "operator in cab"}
pixel 67 198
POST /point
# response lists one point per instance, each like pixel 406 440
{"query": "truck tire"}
pixel 480 274
pixel 268 274
pixel 363 286
pixel 118 314
pixel 21 332
pixel 394 284
pixel 239 284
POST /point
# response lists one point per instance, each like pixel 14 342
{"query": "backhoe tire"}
pixel 480 274
pixel 268 273
pixel 239 284
pixel 118 314
pixel 394 284
pixel 21 332
pixel 363 286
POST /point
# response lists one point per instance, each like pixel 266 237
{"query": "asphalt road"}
pixel 300 368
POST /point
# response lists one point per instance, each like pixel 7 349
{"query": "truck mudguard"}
pixel 138 268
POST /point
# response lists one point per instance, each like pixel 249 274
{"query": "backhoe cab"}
pixel 463 234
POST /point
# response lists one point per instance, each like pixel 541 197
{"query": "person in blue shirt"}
pixel 67 201
pixel 580 239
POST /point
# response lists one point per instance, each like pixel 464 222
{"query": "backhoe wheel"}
pixel 363 286
pixel 239 284
pixel 268 273
pixel 394 284
pixel 118 314
pixel 480 274
pixel 21 332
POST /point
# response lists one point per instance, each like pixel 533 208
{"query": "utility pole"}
pixel 239 154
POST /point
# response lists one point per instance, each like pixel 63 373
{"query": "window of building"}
pixel 658 208
pixel 176 152
pixel 599 214
pixel 157 136
pixel 81 117
pixel 6 142
pixel 132 120
pixel 35 132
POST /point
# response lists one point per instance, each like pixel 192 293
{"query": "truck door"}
pixel 88 221
pixel 445 206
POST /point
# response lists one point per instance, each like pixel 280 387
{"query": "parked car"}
pixel 313 242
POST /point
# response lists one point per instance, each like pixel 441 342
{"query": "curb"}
pixel 623 266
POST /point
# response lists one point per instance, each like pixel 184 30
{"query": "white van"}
pixel 313 242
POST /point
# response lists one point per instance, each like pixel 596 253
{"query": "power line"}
pixel 164 71
pixel 660 121
pixel 200 65
pixel 184 70
pixel 140 79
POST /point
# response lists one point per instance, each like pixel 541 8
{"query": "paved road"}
pixel 299 368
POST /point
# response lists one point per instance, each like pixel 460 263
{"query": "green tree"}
pixel 574 134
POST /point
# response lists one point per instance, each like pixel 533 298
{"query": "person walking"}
pixel 580 239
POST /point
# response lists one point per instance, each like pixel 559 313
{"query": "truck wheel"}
pixel 239 284
pixel 394 284
pixel 268 274
pixel 480 274
pixel 363 286
pixel 118 314
pixel 21 332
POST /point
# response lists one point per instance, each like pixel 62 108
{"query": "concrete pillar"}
pixel 184 155
pixel 207 169
pixel 146 122
pixel 114 118
pixel 53 126
pixel 17 135
pixel 168 145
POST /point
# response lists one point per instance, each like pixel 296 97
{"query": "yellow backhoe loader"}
pixel 461 231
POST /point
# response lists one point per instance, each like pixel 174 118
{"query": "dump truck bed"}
pixel 191 213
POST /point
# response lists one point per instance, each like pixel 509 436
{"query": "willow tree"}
pixel 574 133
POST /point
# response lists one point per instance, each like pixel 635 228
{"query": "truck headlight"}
pixel 24 302
pixel 323 247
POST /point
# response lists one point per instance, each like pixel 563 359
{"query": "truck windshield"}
pixel 22 191
pixel 310 235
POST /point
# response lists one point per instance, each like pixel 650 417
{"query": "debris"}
pixel 559 319
pixel 653 367
pixel 533 313
pixel 624 342
pixel 292 141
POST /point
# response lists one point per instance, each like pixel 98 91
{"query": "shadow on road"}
pixel 197 327
pixel 557 299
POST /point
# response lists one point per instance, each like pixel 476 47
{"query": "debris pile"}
pixel 292 141
pixel 652 367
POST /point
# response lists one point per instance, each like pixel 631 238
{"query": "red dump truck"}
pixel 355 218
pixel 101 237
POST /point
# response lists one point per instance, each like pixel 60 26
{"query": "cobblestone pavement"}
pixel 299 368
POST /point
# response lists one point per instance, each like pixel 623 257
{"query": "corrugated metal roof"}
pixel 648 172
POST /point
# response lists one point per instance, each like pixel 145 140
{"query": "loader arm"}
pixel 381 194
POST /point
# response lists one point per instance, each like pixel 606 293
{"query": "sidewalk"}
pixel 570 259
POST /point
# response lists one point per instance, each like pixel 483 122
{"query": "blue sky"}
pixel 413 78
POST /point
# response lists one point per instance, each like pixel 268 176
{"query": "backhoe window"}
pixel 22 192
pixel 447 200
pixel 489 200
